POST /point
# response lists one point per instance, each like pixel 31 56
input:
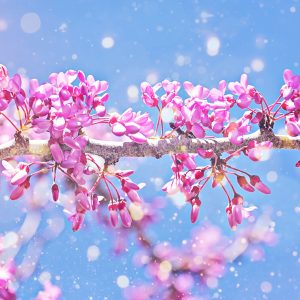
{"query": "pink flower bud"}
pixel 17 192
pixel 237 199
pixel 112 208
pixel 242 181
pixel 134 197
pixel 77 221
pixel 124 214
pixel 256 182
pixel 230 217
pixel 237 213
pixel 196 203
pixel 55 191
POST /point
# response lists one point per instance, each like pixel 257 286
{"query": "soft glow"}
pixel 3 25
pixel 257 65
pixel 123 281
pixel 213 46
pixel 133 93
pixel 107 42
pixel 167 114
pixel 30 22
pixel 93 253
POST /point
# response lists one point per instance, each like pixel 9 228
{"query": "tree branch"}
pixel 113 151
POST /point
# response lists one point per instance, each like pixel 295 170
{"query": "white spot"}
pixel 213 46
pixel 30 22
pixel 266 287
pixel 107 42
pixel 152 78
pixel 133 93
pixel 93 253
pixel 257 65
pixel 123 281
pixel 44 277
pixel 74 56
pixel 10 240
pixel 212 282
pixel 3 25
pixel 167 114
pixel 63 27
pixel 178 199
pixel 272 176
pixel 292 9
pixel 204 16
pixel 182 60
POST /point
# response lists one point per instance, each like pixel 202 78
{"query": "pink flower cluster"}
pixel 62 108
pixel 71 102
pixel 175 271
pixel 190 180
pixel 205 110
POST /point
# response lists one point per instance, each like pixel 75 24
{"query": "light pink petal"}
pixel 125 217
pixel 138 137
pixel 189 87
pixel 118 129
pixel 19 178
pixel 198 131
pixel 57 152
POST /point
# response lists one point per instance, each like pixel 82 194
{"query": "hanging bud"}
pixel 230 217
pixel 77 221
pixel 237 213
pixel 55 192
pixel 244 184
pixel 196 203
pixel 134 197
pixel 256 182
pixel 237 199
pixel 112 208
pixel 124 214
pixel 17 192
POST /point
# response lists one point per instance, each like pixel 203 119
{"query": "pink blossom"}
pixel 148 94
pixel 242 90
pixel 255 151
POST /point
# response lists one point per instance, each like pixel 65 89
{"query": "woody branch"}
pixel 113 151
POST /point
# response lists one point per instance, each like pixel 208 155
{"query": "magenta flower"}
pixel 18 174
pixel 138 127
pixel 255 151
pixel 149 96
pixel 242 90
pixel 292 84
